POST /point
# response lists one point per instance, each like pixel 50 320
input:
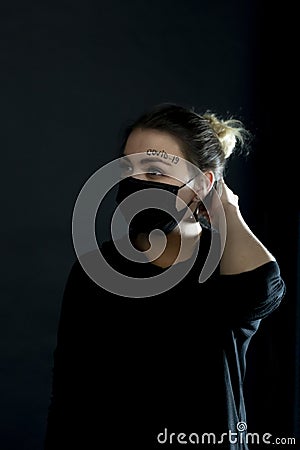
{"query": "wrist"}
pixel 231 210
pixel 233 215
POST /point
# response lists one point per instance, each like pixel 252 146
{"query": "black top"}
pixel 129 372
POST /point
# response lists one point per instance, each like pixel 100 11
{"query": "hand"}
pixel 221 197
pixel 227 196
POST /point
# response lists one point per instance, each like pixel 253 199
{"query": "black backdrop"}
pixel 72 74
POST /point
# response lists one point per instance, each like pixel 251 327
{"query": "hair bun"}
pixel 229 132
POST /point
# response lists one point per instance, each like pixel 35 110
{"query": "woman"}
pixel 165 367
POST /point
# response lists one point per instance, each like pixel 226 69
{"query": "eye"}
pixel 154 172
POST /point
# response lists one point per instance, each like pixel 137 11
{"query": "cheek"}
pixel 186 195
pixel 140 176
pixel 204 189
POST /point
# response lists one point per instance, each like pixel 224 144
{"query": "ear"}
pixel 204 185
pixel 211 178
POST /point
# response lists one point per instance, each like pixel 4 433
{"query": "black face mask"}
pixel 151 218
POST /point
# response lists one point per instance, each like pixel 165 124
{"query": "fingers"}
pixel 229 197
pixel 220 184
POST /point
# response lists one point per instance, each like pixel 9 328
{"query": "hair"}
pixel 207 140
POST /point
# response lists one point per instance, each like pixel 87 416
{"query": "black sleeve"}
pixel 254 294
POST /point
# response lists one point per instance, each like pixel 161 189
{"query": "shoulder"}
pixel 255 294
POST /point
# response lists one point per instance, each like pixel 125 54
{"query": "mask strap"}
pixel 185 184
pixel 191 201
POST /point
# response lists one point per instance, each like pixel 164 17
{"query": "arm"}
pixel 243 251
pixel 250 278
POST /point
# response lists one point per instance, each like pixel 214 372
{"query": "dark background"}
pixel 72 75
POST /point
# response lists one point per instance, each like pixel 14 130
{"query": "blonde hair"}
pixel 230 132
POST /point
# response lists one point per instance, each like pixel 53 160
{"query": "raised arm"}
pixel 243 250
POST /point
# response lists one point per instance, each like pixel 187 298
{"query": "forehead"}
pixel 160 150
pixel 143 140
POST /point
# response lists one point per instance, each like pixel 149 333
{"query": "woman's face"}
pixel 158 157
pixel 154 155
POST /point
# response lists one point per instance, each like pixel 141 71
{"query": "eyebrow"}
pixel 154 159
pixel 149 159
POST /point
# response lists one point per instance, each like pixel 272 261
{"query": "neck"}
pixel 179 247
